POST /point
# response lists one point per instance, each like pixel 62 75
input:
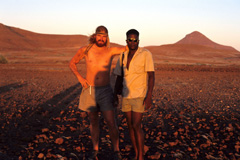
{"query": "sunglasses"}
pixel 132 40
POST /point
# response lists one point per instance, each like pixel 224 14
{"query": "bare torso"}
pixel 98 63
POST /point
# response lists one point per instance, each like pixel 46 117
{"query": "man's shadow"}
pixel 9 87
pixel 24 126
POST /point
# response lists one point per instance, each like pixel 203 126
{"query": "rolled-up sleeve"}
pixel 149 64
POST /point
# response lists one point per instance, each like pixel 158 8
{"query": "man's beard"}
pixel 101 44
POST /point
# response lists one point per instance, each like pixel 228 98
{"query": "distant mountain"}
pixel 22 46
pixel 197 38
pixel 195 48
pixel 12 38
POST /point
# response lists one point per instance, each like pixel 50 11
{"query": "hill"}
pixel 195 48
pixel 197 38
pixel 14 39
pixel 22 46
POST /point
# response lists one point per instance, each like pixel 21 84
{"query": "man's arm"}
pixel 151 81
pixel 78 56
pixel 117 87
pixel 117 90
pixel 118 50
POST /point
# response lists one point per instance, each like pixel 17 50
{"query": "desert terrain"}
pixel 195 112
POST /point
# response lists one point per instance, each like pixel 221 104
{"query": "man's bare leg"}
pixel 138 133
pixel 113 130
pixel 94 129
pixel 131 132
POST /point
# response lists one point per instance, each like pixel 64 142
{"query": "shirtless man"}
pixel 97 95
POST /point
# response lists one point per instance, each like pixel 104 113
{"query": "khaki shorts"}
pixel 133 104
pixel 96 99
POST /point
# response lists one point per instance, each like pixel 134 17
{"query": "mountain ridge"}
pixel 12 38
pixel 200 39
pixel 30 46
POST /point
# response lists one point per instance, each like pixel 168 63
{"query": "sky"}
pixel 158 21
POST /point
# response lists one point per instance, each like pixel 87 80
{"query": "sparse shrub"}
pixel 3 60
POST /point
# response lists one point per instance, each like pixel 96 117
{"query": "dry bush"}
pixel 3 60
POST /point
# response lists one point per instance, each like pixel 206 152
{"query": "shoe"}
pixel 93 155
pixel 117 155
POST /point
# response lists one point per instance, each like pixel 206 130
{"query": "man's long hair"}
pixel 99 29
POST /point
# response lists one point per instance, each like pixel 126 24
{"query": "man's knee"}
pixel 111 124
pixel 94 118
pixel 136 126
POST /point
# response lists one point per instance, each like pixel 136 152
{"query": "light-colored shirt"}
pixel 135 77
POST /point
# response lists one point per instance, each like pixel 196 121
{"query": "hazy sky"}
pixel 158 21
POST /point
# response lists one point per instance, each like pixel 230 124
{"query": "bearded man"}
pixel 97 94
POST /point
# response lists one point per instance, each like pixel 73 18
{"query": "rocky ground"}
pixel 195 115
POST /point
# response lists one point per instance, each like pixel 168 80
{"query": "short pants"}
pixel 133 104
pixel 96 99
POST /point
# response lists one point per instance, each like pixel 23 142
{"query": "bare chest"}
pixel 100 61
pixel 129 59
